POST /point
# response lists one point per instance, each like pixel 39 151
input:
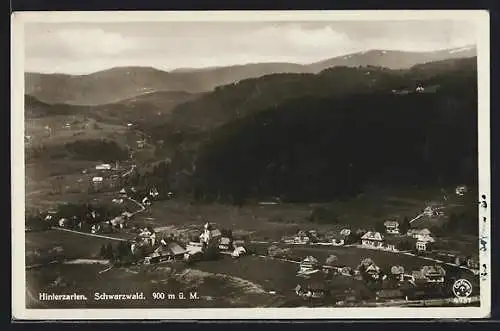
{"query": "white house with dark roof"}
pixel 372 239
pixel 310 264
pixel 391 227
pixel 421 234
pixel 225 244
pixel 430 274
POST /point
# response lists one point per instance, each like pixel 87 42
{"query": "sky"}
pixel 81 48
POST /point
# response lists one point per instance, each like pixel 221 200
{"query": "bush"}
pixel 275 251
pixel 331 260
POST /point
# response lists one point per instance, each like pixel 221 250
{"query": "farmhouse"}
pixel 238 251
pixel 434 274
pixel 423 246
pixel 338 240
pixel 210 234
pixel 97 180
pixel 153 193
pixel 372 239
pixel 118 222
pixel 461 190
pixel 145 201
pixel 373 270
pixel 170 251
pixel 147 236
pixel 103 166
pixel 398 272
pixel 309 265
pixel 421 234
pixel 141 144
pixel 225 244
pixel 301 238
pixel 63 222
pixel 391 227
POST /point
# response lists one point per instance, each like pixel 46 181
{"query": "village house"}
pixel 338 240
pixel 168 252
pixel 434 274
pixel 309 265
pixel 423 246
pixel 373 271
pixel 117 201
pixel 153 193
pixel 141 144
pixel 147 235
pixel 210 234
pixel 239 248
pixel 238 251
pixel 424 238
pixel 461 190
pixel 103 166
pixel 194 250
pixel 301 238
pixel 118 222
pixel 225 244
pixel 345 232
pixel 421 234
pixel 391 227
pixel 146 202
pixel 372 239
pixel 313 235
pixel 398 272
pixel 63 222
pixel 97 181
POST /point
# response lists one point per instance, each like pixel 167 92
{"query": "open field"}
pixel 64 129
pixel 222 283
pixel 73 245
pixel 271 222
pixel 245 282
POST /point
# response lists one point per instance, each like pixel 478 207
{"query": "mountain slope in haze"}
pixel 303 145
pixel 146 107
pixel 317 149
pixel 228 103
pixel 116 84
pixel 393 59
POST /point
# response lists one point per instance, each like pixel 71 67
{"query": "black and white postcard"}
pixel 250 165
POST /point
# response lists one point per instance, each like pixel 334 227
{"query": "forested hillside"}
pixel 332 134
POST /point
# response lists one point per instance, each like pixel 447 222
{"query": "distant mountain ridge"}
pixel 115 84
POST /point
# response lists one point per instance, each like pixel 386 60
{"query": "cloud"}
pixel 79 43
pixel 87 47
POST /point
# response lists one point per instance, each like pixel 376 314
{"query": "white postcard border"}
pixel 19 311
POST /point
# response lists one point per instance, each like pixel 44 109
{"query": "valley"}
pixel 267 152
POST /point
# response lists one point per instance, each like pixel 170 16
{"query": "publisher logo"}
pixel 462 288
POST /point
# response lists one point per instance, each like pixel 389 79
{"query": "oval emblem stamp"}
pixel 462 288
